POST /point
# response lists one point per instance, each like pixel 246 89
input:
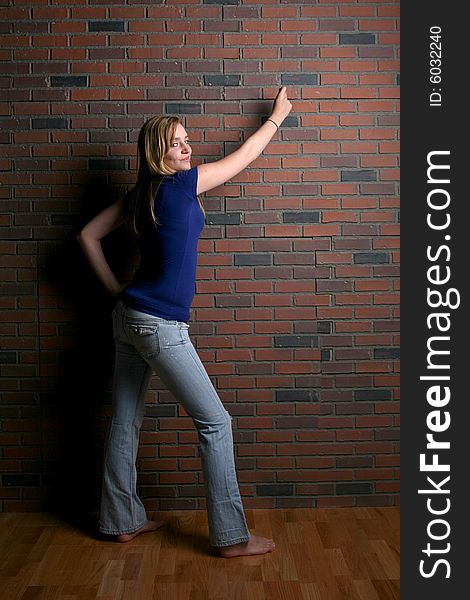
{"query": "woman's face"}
pixel 178 156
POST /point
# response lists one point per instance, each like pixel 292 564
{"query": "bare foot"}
pixel 149 526
pixel 255 545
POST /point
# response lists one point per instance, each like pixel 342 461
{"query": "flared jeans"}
pixel 144 345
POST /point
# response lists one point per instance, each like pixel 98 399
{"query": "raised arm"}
pixel 210 175
pixel 90 241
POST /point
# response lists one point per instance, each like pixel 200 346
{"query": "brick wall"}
pixel 296 313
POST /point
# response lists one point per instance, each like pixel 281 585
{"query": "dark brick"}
pixel 359 175
pixel 296 396
pixel 107 53
pixel 50 123
pixel 253 259
pixel 107 164
pixel 227 26
pixel 17 289
pixel 324 326
pixel 357 38
pixel 338 161
pixel 372 395
pixel 300 79
pixel 301 217
pixel 310 381
pixel 8 358
pixel 398 78
pixel 223 218
pixel 279 489
pixel 296 341
pixel 233 301
pixel 325 355
pixel 297 422
pixel 334 286
pixel 387 434
pixel 300 133
pixel 306 326
pixel 167 410
pixel 21 480
pixel 221 80
pixel 301 189
pixel 354 230
pixel 66 220
pixel 337 25
pixel 393 353
pixel 106 26
pixel 346 489
pixel 31 164
pixel 362 258
pixel 183 108
pixel 299 52
pixel 290 121
pixel 69 81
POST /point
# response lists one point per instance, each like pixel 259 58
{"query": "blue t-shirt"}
pixel 165 282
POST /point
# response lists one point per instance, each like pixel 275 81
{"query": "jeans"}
pixel 146 344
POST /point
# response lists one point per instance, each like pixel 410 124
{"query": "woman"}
pixel 150 322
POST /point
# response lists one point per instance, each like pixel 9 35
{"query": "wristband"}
pixel 273 122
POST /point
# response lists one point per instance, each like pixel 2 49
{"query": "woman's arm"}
pixel 210 175
pixel 90 241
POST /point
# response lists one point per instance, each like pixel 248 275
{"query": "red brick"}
pixel 358 65
pixel 319 39
pixel 261 53
pixel 338 134
pixel 277 39
pixel 337 106
pixel 356 11
pixel 377 25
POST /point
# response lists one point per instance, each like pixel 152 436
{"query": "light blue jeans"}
pixel 146 344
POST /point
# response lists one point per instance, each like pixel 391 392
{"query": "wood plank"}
pixel 321 554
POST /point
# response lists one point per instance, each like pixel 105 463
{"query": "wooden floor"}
pixel 321 554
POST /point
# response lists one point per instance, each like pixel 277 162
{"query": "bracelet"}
pixel 273 122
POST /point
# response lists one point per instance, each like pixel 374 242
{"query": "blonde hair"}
pixel 154 142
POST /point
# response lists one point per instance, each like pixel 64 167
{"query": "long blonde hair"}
pixel 155 138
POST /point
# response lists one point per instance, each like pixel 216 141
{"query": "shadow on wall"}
pixel 77 361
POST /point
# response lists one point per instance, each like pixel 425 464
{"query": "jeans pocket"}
pixel 144 338
pixel 142 330
pixel 172 335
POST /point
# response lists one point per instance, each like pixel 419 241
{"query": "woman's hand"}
pixel 281 106
pixel 211 175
